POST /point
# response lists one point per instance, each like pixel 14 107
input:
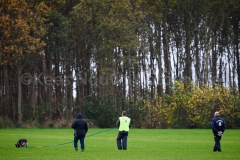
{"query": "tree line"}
pixel 61 57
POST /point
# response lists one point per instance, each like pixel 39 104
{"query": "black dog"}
pixel 22 143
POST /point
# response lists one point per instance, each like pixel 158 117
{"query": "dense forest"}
pixel 168 63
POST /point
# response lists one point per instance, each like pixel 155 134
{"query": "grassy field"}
pixel 143 144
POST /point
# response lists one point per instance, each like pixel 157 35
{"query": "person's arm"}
pixel 224 126
pixel 118 123
pixel 86 127
pixel 73 125
pixel 213 127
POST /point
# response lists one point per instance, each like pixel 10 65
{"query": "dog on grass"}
pixel 22 143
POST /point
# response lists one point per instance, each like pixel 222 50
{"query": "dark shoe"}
pixel 76 149
pixel 82 150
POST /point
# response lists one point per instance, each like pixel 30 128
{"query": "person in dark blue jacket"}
pixel 80 127
pixel 218 128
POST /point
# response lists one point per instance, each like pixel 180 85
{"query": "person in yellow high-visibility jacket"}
pixel 123 124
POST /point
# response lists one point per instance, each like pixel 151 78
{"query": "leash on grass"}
pixel 100 132
pixel 107 130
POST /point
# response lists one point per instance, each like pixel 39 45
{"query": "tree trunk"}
pixel 19 98
pixel 167 69
pixel 236 41
pixel 159 62
pixel 188 61
pixel 214 60
pixel 229 67
pixel 33 98
pixel 197 64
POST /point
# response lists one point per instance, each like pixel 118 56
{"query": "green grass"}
pixel 143 144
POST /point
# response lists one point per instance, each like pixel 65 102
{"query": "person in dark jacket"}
pixel 123 125
pixel 218 128
pixel 80 127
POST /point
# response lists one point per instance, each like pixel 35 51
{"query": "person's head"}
pixel 79 115
pixel 216 114
pixel 124 113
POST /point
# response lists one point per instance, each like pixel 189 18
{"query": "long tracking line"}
pixel 60 144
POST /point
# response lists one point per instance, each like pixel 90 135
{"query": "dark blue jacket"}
pixel 80 126
pixel 218 124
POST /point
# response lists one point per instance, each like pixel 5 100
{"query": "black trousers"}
pixel 122 140
pixel 217 146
